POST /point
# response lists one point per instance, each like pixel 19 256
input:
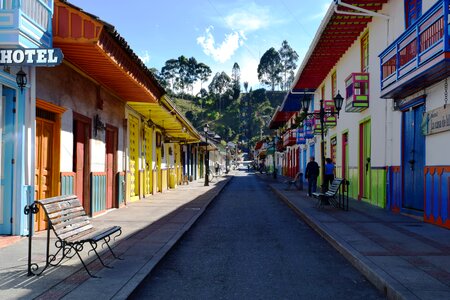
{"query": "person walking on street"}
pixel 311 173
pixel 330 170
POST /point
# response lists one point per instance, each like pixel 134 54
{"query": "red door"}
pixel 111 149
pixel 81 161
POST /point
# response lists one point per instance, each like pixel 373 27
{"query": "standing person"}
pixel 311 173
pixel 329 172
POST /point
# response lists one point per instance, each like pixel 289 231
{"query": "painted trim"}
pixel 420 100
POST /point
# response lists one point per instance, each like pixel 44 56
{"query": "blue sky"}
pixel 215 32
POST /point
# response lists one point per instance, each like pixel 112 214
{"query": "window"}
pixel 333 85
pixel 413 11
pixel 365 53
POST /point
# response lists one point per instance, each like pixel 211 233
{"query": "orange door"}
pixel 81 163
pixel 111 149
pixel 44 165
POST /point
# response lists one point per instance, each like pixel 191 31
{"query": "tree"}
pixel 236 72
pixel 288 61
pixel 203 72
pixel 246 86
pixel 269 68
pixel 170 72
pixel 235 77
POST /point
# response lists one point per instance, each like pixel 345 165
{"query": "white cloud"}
pixel 249 17
pixel 225 50
pixel 145 57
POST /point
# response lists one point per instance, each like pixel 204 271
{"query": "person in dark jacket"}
pixel 311 173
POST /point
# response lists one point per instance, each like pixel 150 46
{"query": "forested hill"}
pixel 235 115
pixel 242 119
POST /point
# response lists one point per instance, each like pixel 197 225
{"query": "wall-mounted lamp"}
pixel 21 79
pixel 98 125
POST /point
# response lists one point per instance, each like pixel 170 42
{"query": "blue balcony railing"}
pixel 419 49
pixel 32 18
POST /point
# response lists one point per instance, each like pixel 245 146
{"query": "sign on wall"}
pixel 31 57
pixel 436 120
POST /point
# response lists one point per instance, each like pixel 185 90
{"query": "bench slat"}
pixel 72 227
pixel 56 199
pixel 70 222
pixel 62 216
pixel 54 207
pixel 51 208
pixel 75 231
pixel 98 235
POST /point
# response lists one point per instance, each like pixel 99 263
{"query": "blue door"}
pixel 7 115
pixel 413 159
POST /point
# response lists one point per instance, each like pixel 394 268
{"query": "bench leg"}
pixel 78 248
pixel 106 240
pixel 94 247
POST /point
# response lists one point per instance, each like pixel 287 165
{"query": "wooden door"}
pixel 111 166
pixel 413 159
pixel 364 160
pixel 345 156
pixel 7 155
pixel 44 181
pixel 134 157
pixel 148 167
pixel 81 161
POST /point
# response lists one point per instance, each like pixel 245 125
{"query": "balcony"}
pixel 417 58
pixel 26 23
pixel 357 92
pixel 290 138
pixel 329 121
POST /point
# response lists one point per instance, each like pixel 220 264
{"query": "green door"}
pixel 364 160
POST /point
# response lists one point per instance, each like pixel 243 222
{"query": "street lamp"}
pixel 226 159
pixel 274 142
pixel 305 103
pixel 205 129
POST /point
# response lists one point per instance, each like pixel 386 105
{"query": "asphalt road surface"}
pixel 250 245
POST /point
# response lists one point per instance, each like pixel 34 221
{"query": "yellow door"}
pixel 148 142
pixel 134 158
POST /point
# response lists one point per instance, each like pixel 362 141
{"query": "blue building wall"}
pixel 24 24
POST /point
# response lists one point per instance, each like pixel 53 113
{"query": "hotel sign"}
pixel 31 57
pixel 436 120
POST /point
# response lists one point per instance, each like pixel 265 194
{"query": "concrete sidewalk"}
pixel 403 257
pixel 150 228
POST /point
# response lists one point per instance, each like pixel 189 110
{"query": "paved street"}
pixel 249 245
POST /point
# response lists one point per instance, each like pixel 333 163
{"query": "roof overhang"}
pixel 336 33
pixel 292 100
pixel 165 116
pixel 279 118
pixel 95 48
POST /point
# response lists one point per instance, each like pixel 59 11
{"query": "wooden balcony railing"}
pixel 290 138
pixel 415 50
pixel 357 92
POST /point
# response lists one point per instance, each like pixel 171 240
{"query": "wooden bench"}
pixel 330 197
pixel 70 224
pixel 297 181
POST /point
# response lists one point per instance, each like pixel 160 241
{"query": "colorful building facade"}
pixel 98 125
pixel 26 24
pixel 388 60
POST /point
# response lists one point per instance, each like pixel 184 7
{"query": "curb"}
pixel 390 287
pixel 125 291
